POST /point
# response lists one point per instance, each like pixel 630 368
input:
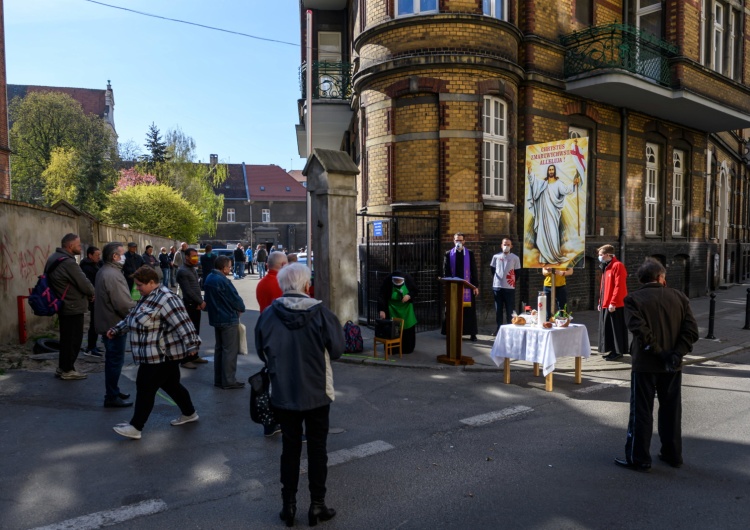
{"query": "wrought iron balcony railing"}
pixel 330 80
pixel 618 46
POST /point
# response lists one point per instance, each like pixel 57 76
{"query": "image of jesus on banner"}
pixel 555 214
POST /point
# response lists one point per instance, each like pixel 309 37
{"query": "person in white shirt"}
pixel 505 267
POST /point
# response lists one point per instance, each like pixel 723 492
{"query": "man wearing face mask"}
pixel 133 262
pixel 187 279
pixel 113 302
pixel 459 263
pixel 505 267
pixel 396 299
pixel 613 334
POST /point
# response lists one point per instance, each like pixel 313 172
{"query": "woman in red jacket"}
pixel 613 334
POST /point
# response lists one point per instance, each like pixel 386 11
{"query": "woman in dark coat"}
pixel 396 299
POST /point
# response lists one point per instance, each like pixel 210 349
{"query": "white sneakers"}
pixel 185 419
pixel 127 430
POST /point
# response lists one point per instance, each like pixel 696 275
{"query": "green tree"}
pixel 61 175
pixel 194 180
pixel 157 149
pixel 42 121
pixel 157 209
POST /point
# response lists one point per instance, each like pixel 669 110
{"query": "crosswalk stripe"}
pixel 346 455
pixel 109 517
pixel 611 383
pixel 497 415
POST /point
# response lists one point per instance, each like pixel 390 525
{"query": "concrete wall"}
pixel 28 236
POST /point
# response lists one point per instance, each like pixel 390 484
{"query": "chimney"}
pixel 214 159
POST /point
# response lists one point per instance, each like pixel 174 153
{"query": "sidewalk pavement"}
pixel 730 338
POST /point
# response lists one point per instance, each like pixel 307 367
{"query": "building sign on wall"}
pixel 555 204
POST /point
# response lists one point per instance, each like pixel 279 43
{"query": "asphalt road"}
pixel 521 457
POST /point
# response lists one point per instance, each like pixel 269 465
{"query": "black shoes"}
pixel 643 468
pixel 671 462
pixel 117 403
pixel 288 511
pixel 124 396
pixel 234 386
pixel 613 357
pixel 319 512
pixel 473 338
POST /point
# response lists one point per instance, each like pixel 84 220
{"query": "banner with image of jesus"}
pixel 555 203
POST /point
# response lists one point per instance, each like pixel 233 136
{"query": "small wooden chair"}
pixel 390 344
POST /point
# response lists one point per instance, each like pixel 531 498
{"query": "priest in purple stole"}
pixel 459 263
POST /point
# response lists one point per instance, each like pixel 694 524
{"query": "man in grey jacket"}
pixel 187 279
pixel 297 338
pixel 68 278
pixel 113 302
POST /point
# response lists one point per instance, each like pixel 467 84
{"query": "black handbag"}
pixel 385 328
pixel 260 398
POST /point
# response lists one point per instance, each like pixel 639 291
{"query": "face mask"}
pixel 506 249
pixel 121 261
pixel 602 260
pixel 398 284
pixel 459 245
pixel 194 260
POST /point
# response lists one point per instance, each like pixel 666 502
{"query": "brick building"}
pixel 262 204
pixel 445 95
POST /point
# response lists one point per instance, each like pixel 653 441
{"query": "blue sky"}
pixel 235 96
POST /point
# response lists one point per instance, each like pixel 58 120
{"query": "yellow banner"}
pixel 555 203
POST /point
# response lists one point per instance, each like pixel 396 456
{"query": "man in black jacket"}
pixel 664 330
pixel 133 262
pixel 90 265
pixel 187 279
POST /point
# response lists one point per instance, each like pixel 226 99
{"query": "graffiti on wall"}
pixel 21 263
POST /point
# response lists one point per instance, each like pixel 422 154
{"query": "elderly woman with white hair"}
pixel 297 338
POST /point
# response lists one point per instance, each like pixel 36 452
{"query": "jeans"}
pixel 173 277
pixel 316 430
pixel 261 268
pixel 152 377
pixel 504 298
pixel 225 357
pixel 71 338
pixel 239 269
pixel 114 358
pixel 561 299
pixel 166 277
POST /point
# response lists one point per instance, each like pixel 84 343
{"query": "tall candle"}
pixel 541 308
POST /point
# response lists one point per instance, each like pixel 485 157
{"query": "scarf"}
pixel 467 273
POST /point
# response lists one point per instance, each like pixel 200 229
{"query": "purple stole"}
pixel 467 273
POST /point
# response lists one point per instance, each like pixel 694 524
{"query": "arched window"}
pixel 678 192
pixel 494 148
pixel 651 191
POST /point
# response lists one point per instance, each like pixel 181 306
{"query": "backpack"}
pixel 353 338
pixel 42 299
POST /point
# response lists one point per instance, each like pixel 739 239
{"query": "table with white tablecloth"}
pixel 541 346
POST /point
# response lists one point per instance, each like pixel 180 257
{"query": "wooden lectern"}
pixel 454 321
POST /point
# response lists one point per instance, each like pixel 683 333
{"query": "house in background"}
pixel 94 101
pixel 262 204
pixel 298 176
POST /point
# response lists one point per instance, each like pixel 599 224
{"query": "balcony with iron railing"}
pixel 331 105
pixel 625 67
pixel 329 81
pixel 618 46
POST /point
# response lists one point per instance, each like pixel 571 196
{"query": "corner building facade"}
pixel 446 95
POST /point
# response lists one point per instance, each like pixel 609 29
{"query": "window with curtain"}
pixel 651 190
pixel 265 216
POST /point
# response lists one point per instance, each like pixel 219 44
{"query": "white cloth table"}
pixel 540 345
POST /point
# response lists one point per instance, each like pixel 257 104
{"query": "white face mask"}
pixel 121 261
pixel 602 260
pixel 459 245
pixel 506 249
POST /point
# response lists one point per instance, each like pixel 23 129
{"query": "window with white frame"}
pixel 495 8
pixel 651 192
pixel 494 149
pixel 718 36
pixel 230 215
pixel 678 191
pixel 416 7
pixel 265 216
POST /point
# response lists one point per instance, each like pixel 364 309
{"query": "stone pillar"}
pixel 331 182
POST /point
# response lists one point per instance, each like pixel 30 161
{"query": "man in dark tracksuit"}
pixel 187 279
pixel 664 330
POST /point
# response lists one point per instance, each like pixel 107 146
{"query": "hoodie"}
pixel 297 337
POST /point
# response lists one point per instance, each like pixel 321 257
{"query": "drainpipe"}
pixel 623 179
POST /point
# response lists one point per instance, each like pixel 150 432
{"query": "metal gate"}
pixel 405 243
